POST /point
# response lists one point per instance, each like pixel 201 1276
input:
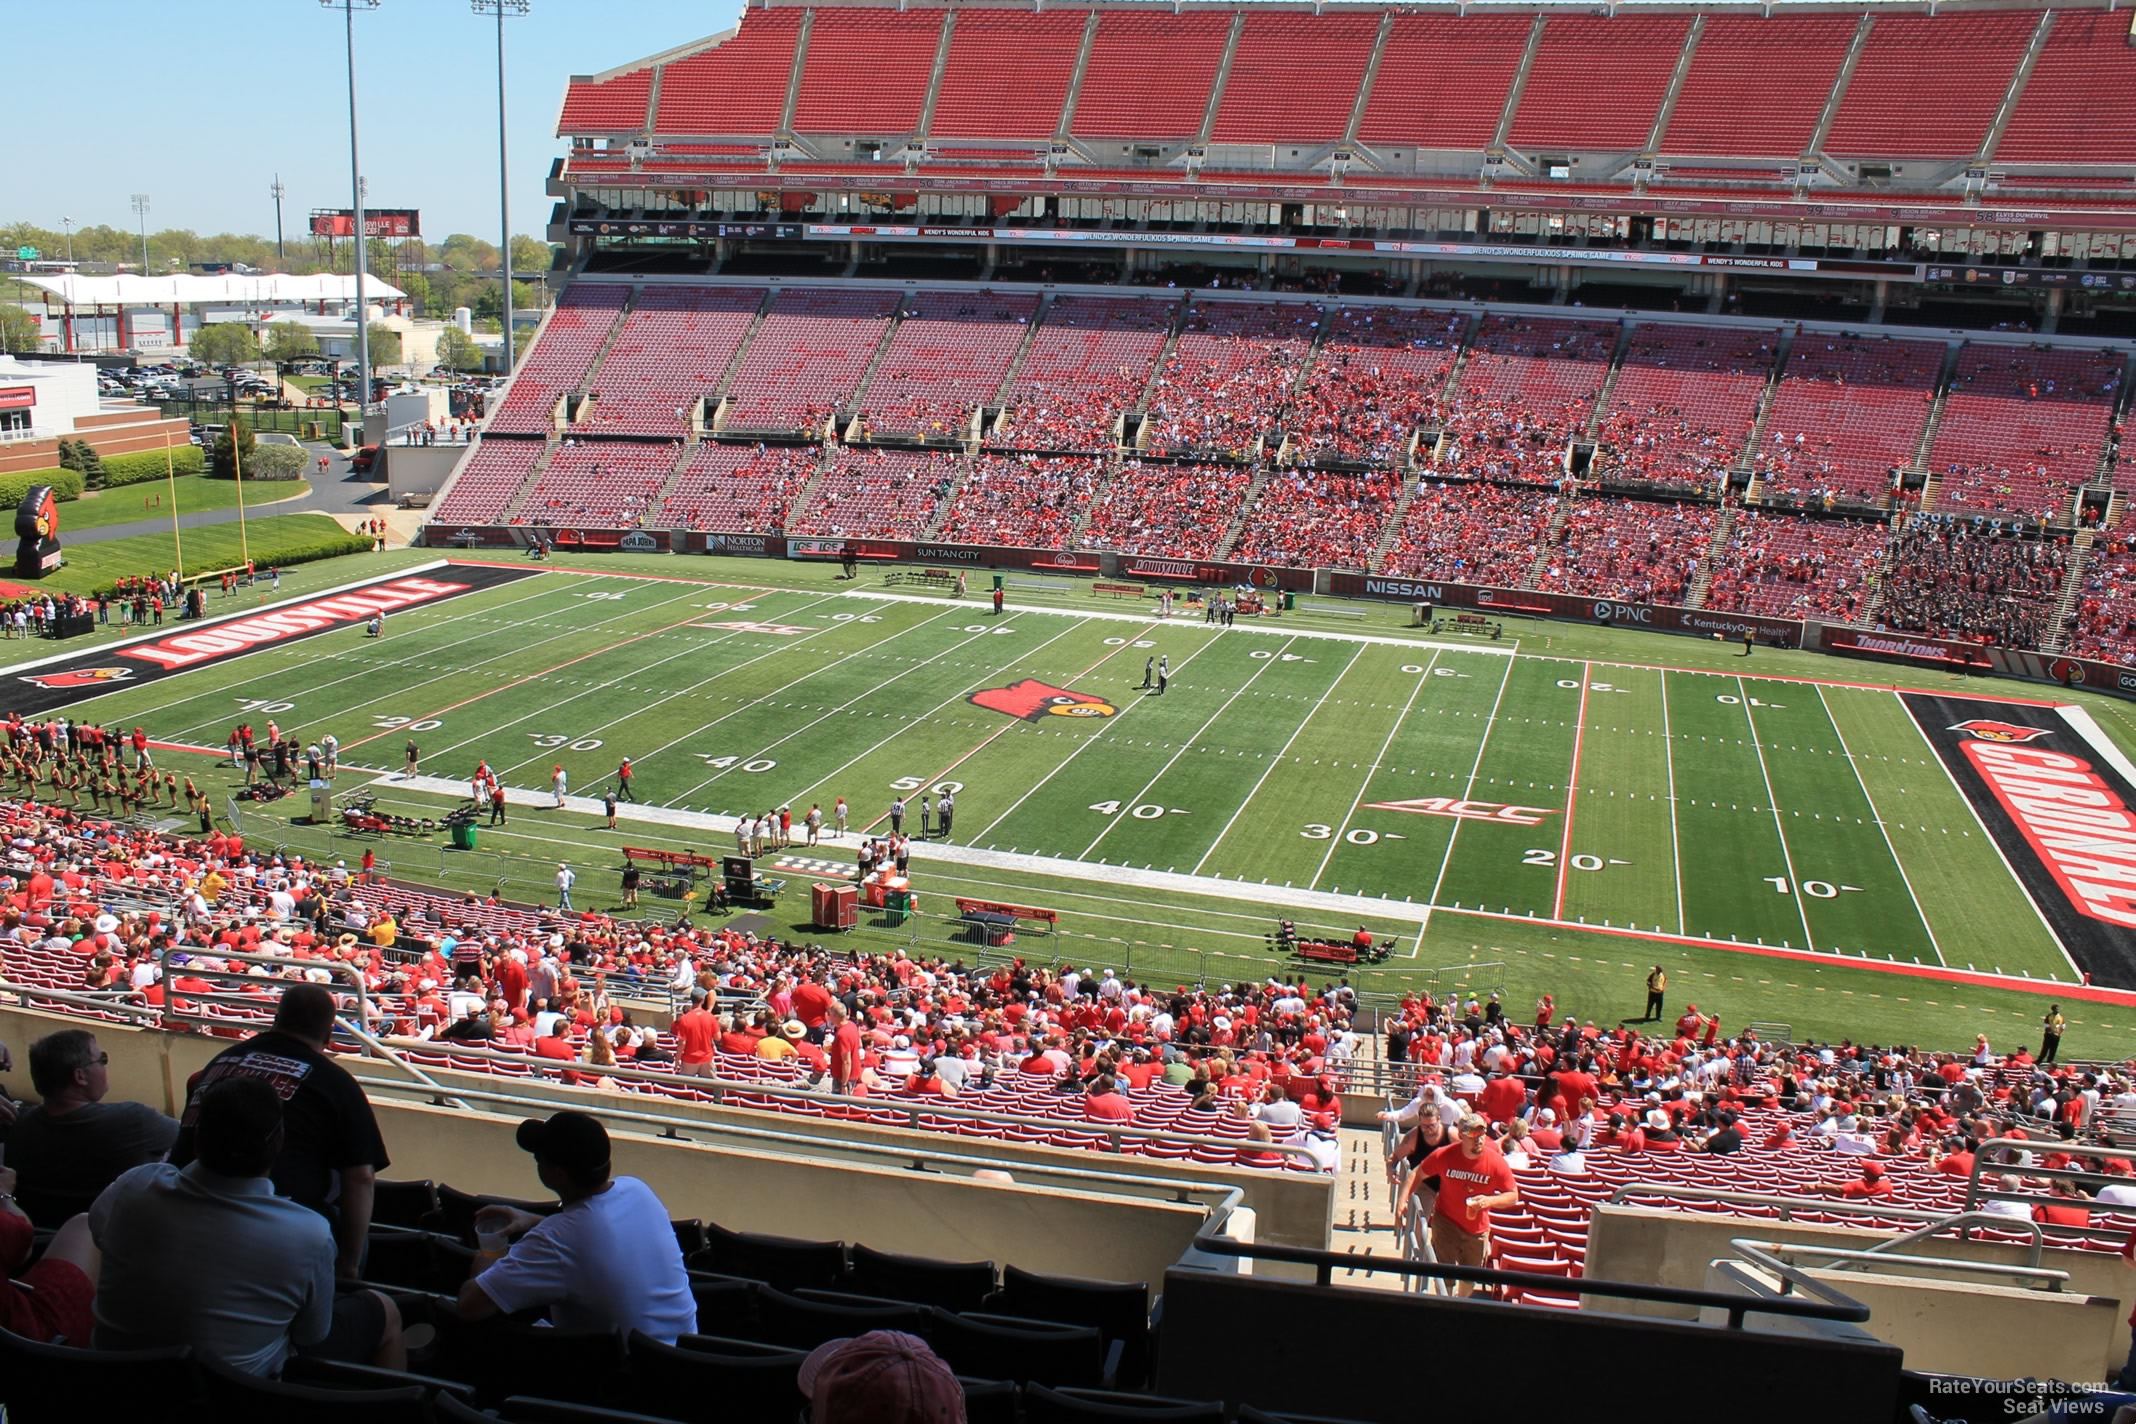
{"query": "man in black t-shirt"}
pixel 331 1152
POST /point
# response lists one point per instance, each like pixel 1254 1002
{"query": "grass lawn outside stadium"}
pixel 1719 806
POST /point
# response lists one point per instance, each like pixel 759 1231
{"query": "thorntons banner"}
pixel 63 681
pixel 2060 811
pixel 1902 647
pixel 1659 617
pixel 1203 571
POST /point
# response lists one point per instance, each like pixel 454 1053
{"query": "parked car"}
pixel 364 458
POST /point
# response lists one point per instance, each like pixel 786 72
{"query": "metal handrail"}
pixel 1876 1255
pixel 721 1088
pixel 1960 1220
pixel 350 981
pixel 676 1128
pixel 1837 1307
pixel 1792 1276
pixel 103 1001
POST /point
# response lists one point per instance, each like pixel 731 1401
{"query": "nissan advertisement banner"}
pixel 1660 617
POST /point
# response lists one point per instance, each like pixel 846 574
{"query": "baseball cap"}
pixel 882 1377
pixel 572 1142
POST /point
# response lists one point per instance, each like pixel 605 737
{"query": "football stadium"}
pixel 1118 671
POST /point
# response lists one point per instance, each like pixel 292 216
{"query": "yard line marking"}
pixel 772 651
pixel 1802 909
pixel 1088 742
pixel 1878 816
pixel 1277 759
pixel 768 652
pixel 1476 770
pixel 962 693
pixel 1668 751
pixel 251 675
pixel 1572 791
pixel 536 676
pixel 870 691
pixel 1373 770
pixel 2056 940
pixel 1181 750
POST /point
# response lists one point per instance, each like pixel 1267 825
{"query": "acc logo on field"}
pixel 2000 731
pixel 79 677
pixel 1034 701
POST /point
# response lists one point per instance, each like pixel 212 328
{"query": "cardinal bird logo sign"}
pixel 78 677
pixel 1999 731
pixel 1035 701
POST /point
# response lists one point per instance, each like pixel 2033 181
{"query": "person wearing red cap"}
pixel 882 1377
pixel 1871 1184
pixel 607 1259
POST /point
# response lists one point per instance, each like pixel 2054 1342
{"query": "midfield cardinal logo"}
pixel 79 677
pixel 1034 701
pixel 1999 731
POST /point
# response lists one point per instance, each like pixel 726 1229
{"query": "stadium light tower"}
pixel 140 207
pixel 348 10
pixel 67 225
pixel 277 190
pixel 501 9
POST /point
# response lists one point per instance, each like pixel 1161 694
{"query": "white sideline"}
pixel 532 801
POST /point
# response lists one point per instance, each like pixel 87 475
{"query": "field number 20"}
pixel 1549 857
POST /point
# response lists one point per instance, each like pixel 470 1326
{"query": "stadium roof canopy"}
pixel 228 289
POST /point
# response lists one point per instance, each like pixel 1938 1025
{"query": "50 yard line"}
pixel 1878 817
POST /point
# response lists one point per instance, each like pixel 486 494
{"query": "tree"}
pixel 233 451
pixel 289 341
pixel 225 344
pixel 417 286
pixel 19 330
pixel 458 351
pixel 81 456
pixel 276 462
pixel 385 345
pixel 531 255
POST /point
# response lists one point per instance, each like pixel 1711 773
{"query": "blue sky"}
pixel 199 105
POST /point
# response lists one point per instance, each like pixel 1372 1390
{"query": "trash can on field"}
pixel 997 582
pixel 322 802
pixel 463 835
pixel 1290 600
pixel 898 906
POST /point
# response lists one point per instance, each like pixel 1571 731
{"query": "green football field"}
pixel 1513 816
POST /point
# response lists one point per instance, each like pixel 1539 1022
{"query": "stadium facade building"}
pixel 1348 271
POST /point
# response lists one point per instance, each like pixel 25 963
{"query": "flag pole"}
pixel 237 473
pixel 170 476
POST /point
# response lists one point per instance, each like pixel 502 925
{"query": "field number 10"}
pixel 1815 889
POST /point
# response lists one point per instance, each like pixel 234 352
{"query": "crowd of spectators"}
pixel 738 487
pixel 1312 519
pixel 1846 413
pixel 1023 501
pixel 1974 580
pixel 884 493
pixel 2103 623
pixel 1685 400
pixel 1178 511
pixel 1529 384
pixel 1471 533
pixel 1636 550
pixel 2023 427
pixel 1229 380
pixel 1087 365
pixel 1375 383
pixel 1785 565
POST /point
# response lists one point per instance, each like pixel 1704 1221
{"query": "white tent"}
pixel 227 289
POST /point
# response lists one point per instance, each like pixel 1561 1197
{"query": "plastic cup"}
pixel 492 1243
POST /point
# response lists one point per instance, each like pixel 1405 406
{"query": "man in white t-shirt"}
pixel 607 1260
pixel 566 877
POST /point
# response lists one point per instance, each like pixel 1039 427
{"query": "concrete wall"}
pixel 418 469
pixel 1945 1322
pixel 953 1218
pixel 1290 1208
